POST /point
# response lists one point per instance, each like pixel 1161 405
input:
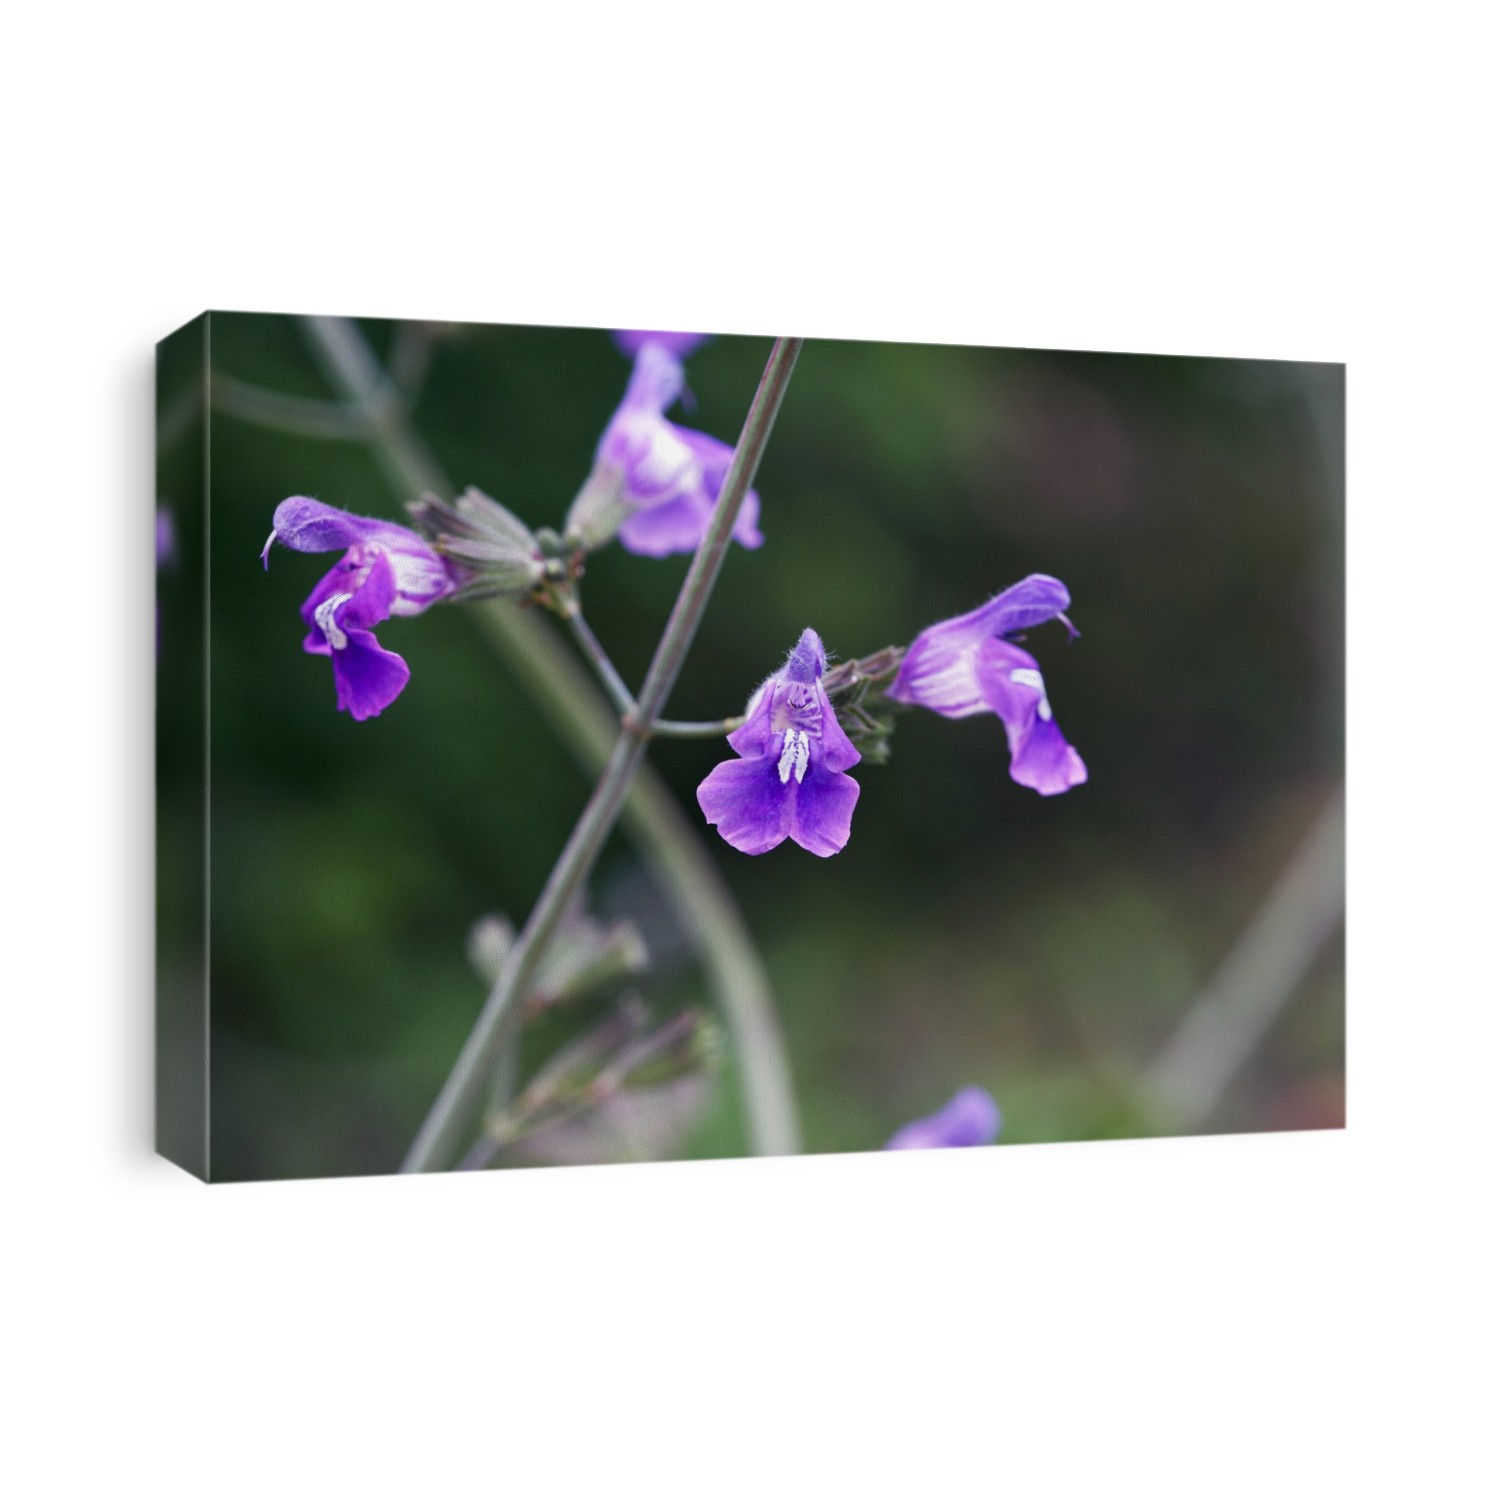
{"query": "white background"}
pixel 1294 1315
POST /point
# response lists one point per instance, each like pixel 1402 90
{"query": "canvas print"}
pixel 592 746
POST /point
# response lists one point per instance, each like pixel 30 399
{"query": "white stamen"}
pixel 323 616
pixel 1030 677
pixel 794 756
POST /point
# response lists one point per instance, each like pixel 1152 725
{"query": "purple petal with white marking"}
pixel 970 1118
pixel 788 781
pixel 422 576
pixel 755 810
pixel 367 677
pixel 938 671
pixel 366 579
pixel 1013 688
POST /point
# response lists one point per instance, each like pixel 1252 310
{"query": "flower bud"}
pixel 496 548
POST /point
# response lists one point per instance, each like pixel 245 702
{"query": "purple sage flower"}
pixel 630 341
pixel 669 477
pixel 969 1118
pixel 789 780
pixel 967 666
pixel 385 570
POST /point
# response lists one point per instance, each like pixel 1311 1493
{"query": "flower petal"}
pixel 1032 601
pixel 631 340
pixel 970 1118
pixel 1046 762
pixel 421 575
pixel 835 749
pixel 749 804
pixel 368 678
pixel 938 671
pixel 662 530
pixel 307 525
pixel 714 459
pixel 1012 684
pixel 656 381
pixel 753 737
pixel 823 809
pixel 366 575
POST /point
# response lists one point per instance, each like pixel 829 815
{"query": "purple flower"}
pixel 668 477
pixel 166 538
pixel 630 341
pixel 967 666
pixel 789 781
pixel 385 570
pixel 969 1118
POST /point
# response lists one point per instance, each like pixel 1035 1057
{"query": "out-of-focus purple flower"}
pixel 631 341
pixel 967 666
pixel 166 557
pixel 789 780
pixel 969 1118
pixel 166 538
pixel 385 570
pixel 663 478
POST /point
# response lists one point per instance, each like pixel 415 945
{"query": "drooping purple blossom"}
pixel 385 570
pixel 968 666
pixel 789 780
pixel 630 341
pixel 970 1118
pixel 669 476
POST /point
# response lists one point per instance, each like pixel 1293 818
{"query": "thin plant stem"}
pixel 670 846
pixel 1262 974
pixel 620 695
pixel 303 415
pixel 479 1155
pixel 452 1112
pixel 604 668
pixel 707 729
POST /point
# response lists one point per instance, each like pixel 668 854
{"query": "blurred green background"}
pixel 972 931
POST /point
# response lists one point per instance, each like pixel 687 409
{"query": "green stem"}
pixel 452 1113
pixel 604 668
pixel 707 729
pixel 689 879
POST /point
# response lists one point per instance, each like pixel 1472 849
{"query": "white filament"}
pixel 323 615
pixel 794 753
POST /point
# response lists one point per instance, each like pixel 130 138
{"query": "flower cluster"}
pixel 792 748
pixel 654 485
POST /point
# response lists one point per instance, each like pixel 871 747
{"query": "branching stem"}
pixel 688 877
pixel 453 1112
pixel 598 657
